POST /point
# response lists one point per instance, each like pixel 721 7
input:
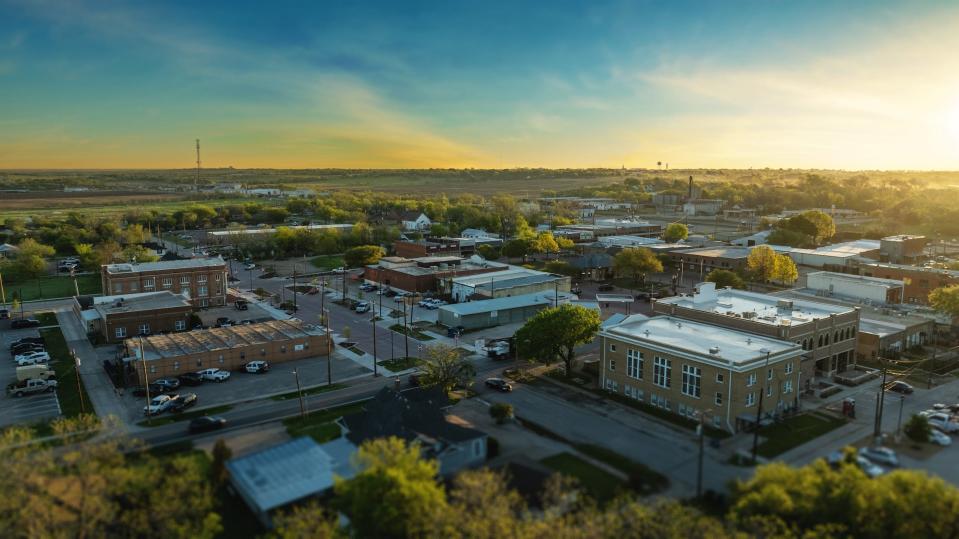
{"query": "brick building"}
pixel 706 259
pixel 114 318
pixel 424 274
pixel 202 280
pixel 918 281
pixel 902 249
pixel 424 248
pixel 228 348
pixel 690 368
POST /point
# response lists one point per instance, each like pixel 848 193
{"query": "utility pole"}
pixel 373 323
pixel 877 433
pixel 759 410
pixel 294 288
pixel 146 379
pixel 406 330
pixel 329 349
pixel 299 392
pixel 3 293
pixel 902 401
pixel 196 181
pixel 76 363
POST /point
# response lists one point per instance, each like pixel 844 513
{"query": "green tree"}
pixel 785 270
pixel 396 493
pixel 725 278
pixel 761 263
pixel 363 255
pixel 445 367
pixel 439 230
pixel 946 299
pixel 555 333
pixel 792 238
pixel 515 248
pixel 565 244
pixel 306 521
pixel 560 267
pixel 917 428
pixel 675 232
pixel 823 225
pixel 544 243
pixel 220 453
pixel 501 412
pixel 636 262
pixel 488 252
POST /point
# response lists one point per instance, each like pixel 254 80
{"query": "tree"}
pixel 439 230
pixel 823 225
pixel 515 248
pixel 725 278
pixel 306 521
pixel 761 263
pixel 560 267
pixel 637 262
pixel 792 238
pixel 917 428
pixel 363 255
pixel 501 411
pixel 443 366
pixel 488 252
pixel 544 243
pixel 946 299
pixel 675 232
pixel 554 333
pixel 395 494
pixel 785 270
pixel 218 472
pixel 565 244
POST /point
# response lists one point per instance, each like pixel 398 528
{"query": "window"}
pixel 134 287
pixel 176 365
pixel 297 347
pixel 118 288
pixel 633 392
pixel 179 325
pixel 612 364
pixel 634 364
pixel 611 385
pixel 789 367
pixel 199 363
pixel 662 371
pixel 719 378
pixel 612 347
pixel 216 277
pixel 204 302
pixel 120 332
pixel 717 422
pixel 750 399
pixel 769 374
pixel 751 380
pixel 149 283
pixel 153 369
pixel 144 329
pixel 477 448
pixel 202 291
pixel 692 377
pixel 769 391
pixel 167 282
pixel 719 399
pixel 201 278
pixel 788 386
pixel 184 279
pixel 219 290
pixel 221 360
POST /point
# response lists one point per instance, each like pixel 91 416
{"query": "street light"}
pixel 299 392
pixel 329 347
pixel 373 323
pixel 759 410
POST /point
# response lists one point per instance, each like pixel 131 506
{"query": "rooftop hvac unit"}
pixel 714 350
pixel 749 315
pixel 784 304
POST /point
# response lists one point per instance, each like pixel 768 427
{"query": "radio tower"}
pixel 196 182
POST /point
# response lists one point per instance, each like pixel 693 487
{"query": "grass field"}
pixel 307 392
pixel 319 424
pixel 600 484
pixel 641 477
pixel 400 363
pixel 68 393
pixel 794 432
pixel 327 262
pixel 53 287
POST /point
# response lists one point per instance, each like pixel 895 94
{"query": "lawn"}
pixel 600 484
pixel 47 319
pixel 400 363
pixel 61 361
pixel 319 424
pixel 53 287
pixel 794 432
pixel 641 477
pixel 327 262
pixel 307 392
pixel 416 334
pixel 173 418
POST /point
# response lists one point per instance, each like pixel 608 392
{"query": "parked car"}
pixel 499 384
pixel 24 323
pixel 26 348
pixel 901 387
pixel 4 314
pixel 241 304
pixel 245 322
pixel 363 307
pixel 24 340
pixel 223 322
pixel 159 404
pixel 257 367
pixel 867 466
pixel 169 384
pixel 141 391
pixel 880 455
pixel 938 437
pixel 28 387
pixel 182 402
pixel 191 379
pixel 32 358
pixel 206 424
pixel 605 287
pixel 250 267
pixel 943 422
pixel 214 375
pixel 455 331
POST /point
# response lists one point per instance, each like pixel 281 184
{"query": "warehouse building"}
pixel 114 318
pixel 497 312
pixel 902 249
pixel 509 281
pixel 227 348
pixel 692 368
pixel 857 288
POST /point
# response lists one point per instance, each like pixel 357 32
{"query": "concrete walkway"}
pixel 100 389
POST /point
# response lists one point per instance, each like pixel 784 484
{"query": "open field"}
pixel 59 204
pixel 53 287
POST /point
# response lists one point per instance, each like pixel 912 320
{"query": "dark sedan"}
pixel 169 384
pixel 191 379
pixel 207 423
pixel 155 389
pixel 24 323
pixel 499 384
pixel 183 402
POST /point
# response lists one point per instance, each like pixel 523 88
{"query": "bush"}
pixel 917 429
pixel 492 448
pixel 501 412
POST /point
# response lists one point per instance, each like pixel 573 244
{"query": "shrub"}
pixel 917 429
pixel 501 412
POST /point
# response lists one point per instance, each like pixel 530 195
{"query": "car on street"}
pixel 214 375
pixel 4 314
pixel 223 322
pixel 499 384
pixel 241 304
pixel 24 323
pixel 182 402
pixel 938 437
pixel 901 387
pixel 191 379
pixel 880 455
pixel 363 307
pixel 168 383
pixel 941 421
pixel 836 458
pixel 206 424
pixel 250 267
pixel 455 331
pixel 159 404
pixel 257 367
pixel 31 358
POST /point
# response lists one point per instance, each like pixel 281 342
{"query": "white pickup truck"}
pixel 28 387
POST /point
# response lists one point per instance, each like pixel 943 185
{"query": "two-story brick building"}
pixel 826 332
pixel 114 318
pixel 202 280
pixel 692 368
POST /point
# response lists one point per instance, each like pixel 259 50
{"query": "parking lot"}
pixel 30 408
pixel 253 313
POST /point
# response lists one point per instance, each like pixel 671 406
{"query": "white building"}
pixel 415 221
pixel 512 281
pixel 837 254
pixel 628 241
pixel 477 233
pixel 856 287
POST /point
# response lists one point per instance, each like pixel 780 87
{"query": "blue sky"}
pixel 486 84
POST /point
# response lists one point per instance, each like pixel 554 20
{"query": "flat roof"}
pixel 163 265
pixel 903 237
pixel 706 340
pixel 876 281
pixel 205 340
pixel 503 304
pixel 907 267
pixel 629 240
pixel 850 247
pixel 880 328
pixel 146 301
pixel 521 280
pixel 510 272
pixel 273 230
pixel 718 252
pixel 761 308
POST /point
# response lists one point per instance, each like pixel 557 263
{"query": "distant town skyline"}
pixel 846 85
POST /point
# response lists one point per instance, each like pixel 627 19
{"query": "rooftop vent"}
pixel 714 350
pixel 749 314
pixel 749 340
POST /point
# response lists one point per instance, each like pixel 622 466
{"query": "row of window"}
pixel 823 340
pixel 144 329
pixel 662 401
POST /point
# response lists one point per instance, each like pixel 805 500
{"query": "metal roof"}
pixel 503 304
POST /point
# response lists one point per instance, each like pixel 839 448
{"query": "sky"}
pixel 486 84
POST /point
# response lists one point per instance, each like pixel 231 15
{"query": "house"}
pixel 413 221
pixel 826 332
pixel 693 368
pixel 8 251
pixel 477 233
pixel 418 416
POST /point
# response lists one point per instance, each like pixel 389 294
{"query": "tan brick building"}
pixel 115 318
pixel 692 368
pixel 229 348
pixel 202 280
pixel 919 281
pixel 826 332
